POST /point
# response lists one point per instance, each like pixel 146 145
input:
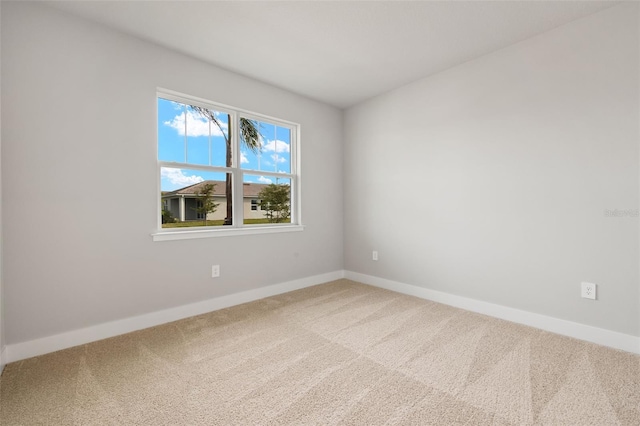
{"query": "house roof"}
pixel 250 189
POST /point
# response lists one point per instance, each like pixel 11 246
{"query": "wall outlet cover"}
pixel 588 290
pixel 215 271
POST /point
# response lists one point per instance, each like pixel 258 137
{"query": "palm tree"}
pixel 249 138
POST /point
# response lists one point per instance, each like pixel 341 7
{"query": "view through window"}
pixel 221 167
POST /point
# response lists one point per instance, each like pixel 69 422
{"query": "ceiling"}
pixel 337 52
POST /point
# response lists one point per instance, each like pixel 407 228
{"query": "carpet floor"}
pixel 338 353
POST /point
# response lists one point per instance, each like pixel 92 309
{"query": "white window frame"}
pixel 238 227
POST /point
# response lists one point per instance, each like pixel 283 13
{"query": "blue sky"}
pixel 204 144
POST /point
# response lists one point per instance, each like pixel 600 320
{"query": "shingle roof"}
pixel 250 189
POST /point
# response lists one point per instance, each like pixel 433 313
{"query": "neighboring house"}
pixel 182 203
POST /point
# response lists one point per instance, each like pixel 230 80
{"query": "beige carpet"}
pixel 339 353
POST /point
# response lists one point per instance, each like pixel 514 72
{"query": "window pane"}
pixel 281 154
pixel 267 199
pixel 275 150
pixel 192 134
pixel 170 142
pixel 193 197
pixel 219 138
pixel 250 144
pixel 207 133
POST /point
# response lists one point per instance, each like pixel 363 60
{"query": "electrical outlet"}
pixel 588 290
pixel 215 271
pixel 374 255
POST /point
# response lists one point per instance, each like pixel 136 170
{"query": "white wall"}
pixel 79 112
pixel 490 180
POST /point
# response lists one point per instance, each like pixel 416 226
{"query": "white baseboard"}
pixel 600 336
pixel 19 351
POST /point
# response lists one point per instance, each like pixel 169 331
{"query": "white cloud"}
pixel 243 158
pixel 277 158
pixel 276 146
pixel 263 179
pixel 197 125
pixel 177 177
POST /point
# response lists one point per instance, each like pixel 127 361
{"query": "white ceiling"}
pixel 338 52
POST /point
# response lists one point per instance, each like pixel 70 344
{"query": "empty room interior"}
pixel 320 212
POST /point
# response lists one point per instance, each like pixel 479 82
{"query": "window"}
pixel 219 167
pixel 200 214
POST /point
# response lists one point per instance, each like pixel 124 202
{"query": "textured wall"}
pixel 79 105
pixel 491 180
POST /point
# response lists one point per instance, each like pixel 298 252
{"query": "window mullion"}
pixel 186 140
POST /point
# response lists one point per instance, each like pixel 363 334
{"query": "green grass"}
pixel 254 221
pixel 192 224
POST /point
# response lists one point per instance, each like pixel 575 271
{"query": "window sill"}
pixel 164 235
